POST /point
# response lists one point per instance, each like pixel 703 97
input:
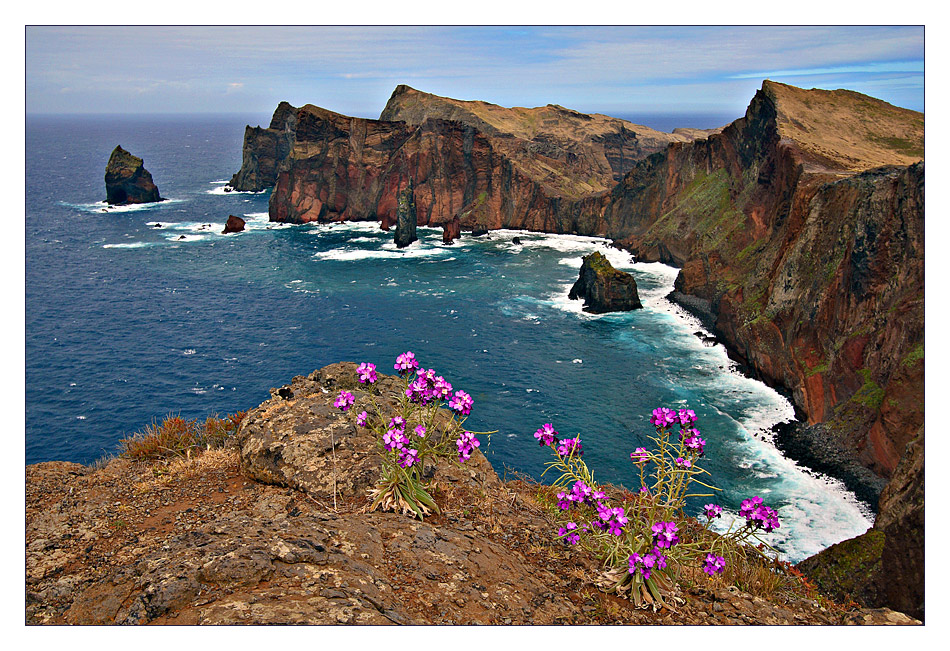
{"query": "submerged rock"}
pixel 406 218
pixel 127 181
pixel 604 288
pixel 235 225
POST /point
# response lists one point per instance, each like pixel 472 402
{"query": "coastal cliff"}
pixel 798 229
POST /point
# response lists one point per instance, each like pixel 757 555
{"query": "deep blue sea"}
pixel 136 313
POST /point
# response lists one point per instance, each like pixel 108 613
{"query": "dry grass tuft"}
pixel 177 437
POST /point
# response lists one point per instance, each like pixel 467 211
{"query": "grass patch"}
pixel 178 437
pixel 821 368
pixel 871 395
pixel 915 355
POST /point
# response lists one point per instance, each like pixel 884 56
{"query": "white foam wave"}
pixel 127 245
pixel 103 207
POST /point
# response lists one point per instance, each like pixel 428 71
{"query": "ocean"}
pixel 138 312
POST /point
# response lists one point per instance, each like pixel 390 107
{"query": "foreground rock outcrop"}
pixel 127 180
pixel 275 532
pixel 603 288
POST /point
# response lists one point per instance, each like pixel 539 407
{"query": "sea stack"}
pixel 127 181
pixel 406 218
pixel 451 230
pixel 234 225
pixel 603 288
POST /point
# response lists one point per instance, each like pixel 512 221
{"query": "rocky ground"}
pixel 199 541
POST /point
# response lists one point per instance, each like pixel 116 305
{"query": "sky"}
pixel 354 69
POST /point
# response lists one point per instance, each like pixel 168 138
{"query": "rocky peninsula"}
pixel 798 229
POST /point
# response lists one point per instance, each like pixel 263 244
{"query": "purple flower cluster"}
pixel 713 511
pixel 683 463
pixel 462 403
pixel 612 520
pixel 759 515
pixel 580 493
pixel 664 534
pixel 395 439
pixel 546 435
pixel 645 564
pixel 406 362
pixel 366 373
pixel 569 533
pixel 362 419
pixel 466 445
pixel 692 441
pixel 714 564
pixel 568 447
pixel 663 417
pixel 344 401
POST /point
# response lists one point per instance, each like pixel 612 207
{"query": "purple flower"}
pixel 568 532
pixel 406 362
pixel 568 447
pixel 362 418
pixel 640 455
pixel 663 417
pixel 683 463
pixel 367 373
pixel 564 500
pixel 581 493
pixel 713 511
pixel 694 443
pixel 759 515
pixel 645 564
pixel 466 445
pixel 664 534
pixel 397 422
pixel 420 431
pixel 394 439
pixel 408 457
pixel 462 403
pixel 546 435
pixel 612 519
pixel 441 388
pixel 344 401
pixel 714 564
pixel 686 417
pixel 419 391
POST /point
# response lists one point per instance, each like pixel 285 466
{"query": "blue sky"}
pixel 353 70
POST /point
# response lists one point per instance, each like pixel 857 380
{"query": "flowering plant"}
pixel 645 540
pixel 411 441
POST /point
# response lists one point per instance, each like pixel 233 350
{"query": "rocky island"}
pixel 603 288
pixel 798 229
pixel 127 180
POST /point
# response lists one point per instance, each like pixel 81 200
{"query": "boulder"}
pixel 127 181
pixel 451 230
pixel 406 218
pixel 603 288
pixel 235 225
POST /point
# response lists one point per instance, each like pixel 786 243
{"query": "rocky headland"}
pixel 798 230
pixel 127 180
pixel 604 288
pixel 273 529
